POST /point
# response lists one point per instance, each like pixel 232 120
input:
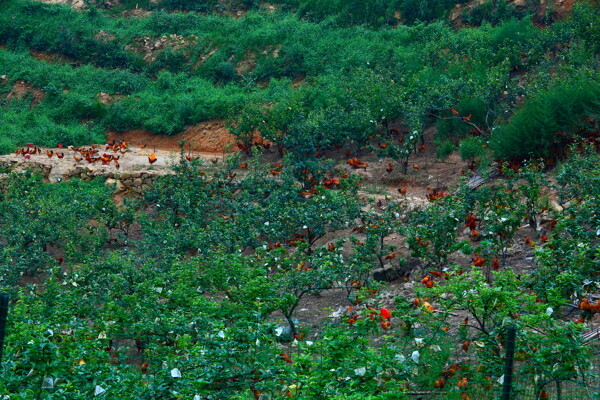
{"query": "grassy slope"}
pixel 167 87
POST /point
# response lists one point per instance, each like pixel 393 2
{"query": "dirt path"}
pixel 209 141
pixel 134 160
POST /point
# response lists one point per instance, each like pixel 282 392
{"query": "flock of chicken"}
pixel 112 153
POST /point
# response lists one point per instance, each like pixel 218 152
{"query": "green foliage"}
pixel 373 12
pixel 187 5
pixel 365 75
pixel 499 212
pixel 425 11
pixel 492 308
pixel 56 217
pixel 451 129
pixel 6 145
pixel 572 254
pixel 170 60
pixel 225 72
pixel 52 34
pixel 221 259
pixel 431 233
pixel 548 121
pixel 444 149
pixel 471 148
pixel 495 12
pixel 22 124
pixel 152 110
pixel 586 17
pixel 206 275
pixel 154 281
pixel 454 128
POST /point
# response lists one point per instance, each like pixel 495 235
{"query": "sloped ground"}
pixel 208 140
pixel 211 137
pixel 211 141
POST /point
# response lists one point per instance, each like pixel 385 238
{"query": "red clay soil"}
pixel 205 137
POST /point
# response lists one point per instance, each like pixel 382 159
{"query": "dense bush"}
pixel 20 124
pixel 494 12
pixel 56 216
pixel 471 148
pixel 413 10
pixel 6 145
pixel 454 129
pixel 585 20
pixel 548 121
pixel 573 255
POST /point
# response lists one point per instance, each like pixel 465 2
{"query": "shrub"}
pixel 190 5
pixel 443 149
pixel 471 148
pixel 67 107
pixel 451 129
pixel 170 59
pixel 455 128
pixel 225 72
pixel 586 18
pixel 547 121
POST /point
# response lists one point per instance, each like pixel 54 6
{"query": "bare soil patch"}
pixel 247 64
pixel 209 140
pixel 20 89
pixel 106 98
pixel 211 137
pixel 52 57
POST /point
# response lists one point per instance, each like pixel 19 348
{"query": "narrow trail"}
pixel 135 160
pixel 209 140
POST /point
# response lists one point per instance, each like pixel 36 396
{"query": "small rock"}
pixel 385 274
pixel 283 333
pixel 110 182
